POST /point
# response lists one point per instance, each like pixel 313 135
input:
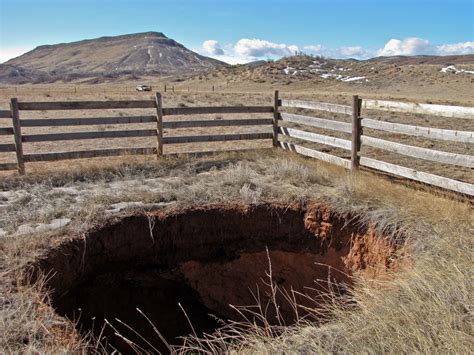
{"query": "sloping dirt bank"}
pixel 204 259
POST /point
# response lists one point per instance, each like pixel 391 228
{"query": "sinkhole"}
pixel 198 265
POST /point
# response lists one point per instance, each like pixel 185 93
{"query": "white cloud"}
pixel 12 52
pixel 339 52
pixel 314 48
pixel 246 50
pixel 232 59
pixel 212 47
pixel 258 48
pixel 408 46
pixel 354 52
pixel 419 46
pixel 456 48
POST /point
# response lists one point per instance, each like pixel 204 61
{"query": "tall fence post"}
pixel 17 134
pixel 276 117
pixel 159 123
pixel 356 132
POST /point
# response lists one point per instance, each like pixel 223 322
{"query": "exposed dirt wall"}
pixel 207 258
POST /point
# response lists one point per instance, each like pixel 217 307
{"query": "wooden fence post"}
pixel 159 122
pixel 17 134
pixel 356 132
pixel 276 117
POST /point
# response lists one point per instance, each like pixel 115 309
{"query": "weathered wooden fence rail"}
pixel 282 135
pixel 21 138
pixel 436 110
pixel 359 139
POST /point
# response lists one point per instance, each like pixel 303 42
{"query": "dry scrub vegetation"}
pixel 425 307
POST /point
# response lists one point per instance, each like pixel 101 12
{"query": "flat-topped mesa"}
pixel 147 53
pixel 134 36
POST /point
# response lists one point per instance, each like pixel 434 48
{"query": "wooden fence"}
pixel 107 89
pixel 20 138
pixel 280 134
pixel 359 139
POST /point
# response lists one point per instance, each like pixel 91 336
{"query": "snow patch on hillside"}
pixel 451 69
pixel 355 78
pixel 150 57
pixel 324 70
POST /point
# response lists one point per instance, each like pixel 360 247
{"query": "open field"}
pixel 418 300
pixel 262 97
pixel 423 305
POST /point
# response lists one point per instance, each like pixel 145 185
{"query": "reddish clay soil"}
pixel 207 258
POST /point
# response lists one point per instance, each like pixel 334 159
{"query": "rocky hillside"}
pixel 376 72
pixel 129 56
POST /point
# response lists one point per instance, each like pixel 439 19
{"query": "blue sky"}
pixel 243 30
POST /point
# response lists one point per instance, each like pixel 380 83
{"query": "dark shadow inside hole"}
pixel 206 258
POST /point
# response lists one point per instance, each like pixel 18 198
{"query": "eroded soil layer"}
pixel 204 259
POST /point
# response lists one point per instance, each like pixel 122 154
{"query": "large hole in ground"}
pixel 202 260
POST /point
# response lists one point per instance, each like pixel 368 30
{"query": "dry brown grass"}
pixel 28 325
pixel 424 308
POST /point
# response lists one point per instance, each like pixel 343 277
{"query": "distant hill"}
pixel 397 72
pixel 127 56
